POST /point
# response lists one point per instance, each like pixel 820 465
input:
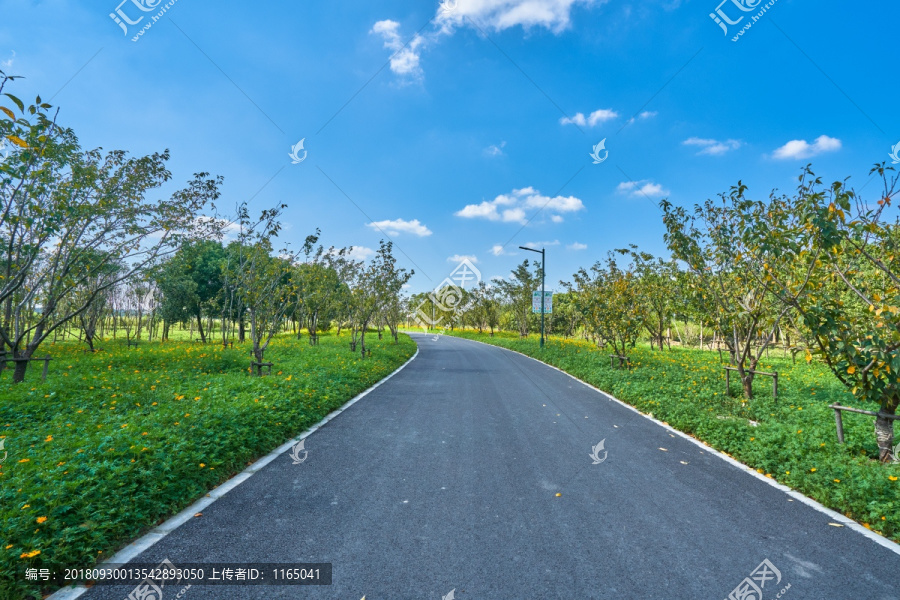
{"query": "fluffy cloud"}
pixel 514 207
pixel 712 147
pixel 576 246
pixel 494 150
pixel 803 149
pixel 539 245
pixel 505 14
pixel 458 258
pixel 361 253
pixel 405 60
pixel 596 117
pixel 645 187
pixel 398 226
pixel 498 15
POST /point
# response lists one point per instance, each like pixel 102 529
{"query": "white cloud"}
pixel 712 147
pixel 803 149
pixel 7 64
pixel 539 245
pixel 498 250
pixel 505 14
pixel 494 150
pixel 647 114
pixel 598 116
pixel 361 253
pixel 398 226
pixel 576 246
pixel 644 187
pixel 511 208
pixel 458 258
pixel 405 60
pixel 499 15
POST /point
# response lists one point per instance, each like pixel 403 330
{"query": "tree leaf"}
pixel 11 114
pixel 17 141
pixel 18 102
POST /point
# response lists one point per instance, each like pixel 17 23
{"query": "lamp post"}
pixel 543 253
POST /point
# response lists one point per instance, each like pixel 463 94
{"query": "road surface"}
pixel 471 472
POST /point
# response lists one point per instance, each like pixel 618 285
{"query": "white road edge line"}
pixel 833 515
pixel 132 550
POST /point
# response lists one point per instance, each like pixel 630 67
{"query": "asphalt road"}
pixel 448 478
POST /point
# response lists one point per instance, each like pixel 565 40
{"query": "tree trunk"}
pixel 20 369
pixel 200 328
pixel 884 434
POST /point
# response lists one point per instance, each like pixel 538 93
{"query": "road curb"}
pixel 132 550
pixel 833 515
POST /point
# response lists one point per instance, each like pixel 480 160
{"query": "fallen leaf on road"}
pixel 835 524
pixel 663 449
pixel 684 463
pixel 199 515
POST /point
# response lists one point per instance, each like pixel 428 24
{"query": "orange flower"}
pixel 31 554
pixel 41 519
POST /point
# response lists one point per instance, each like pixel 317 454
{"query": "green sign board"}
pixel 536 302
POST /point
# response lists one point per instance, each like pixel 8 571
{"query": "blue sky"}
pixel 487 111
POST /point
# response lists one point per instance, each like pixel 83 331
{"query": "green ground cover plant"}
pixel 114 442
pixel 793 441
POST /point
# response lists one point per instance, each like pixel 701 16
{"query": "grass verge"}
pixel 794 441
pixel 113 443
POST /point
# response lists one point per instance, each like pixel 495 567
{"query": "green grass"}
pixel 115 442
pixel 794 443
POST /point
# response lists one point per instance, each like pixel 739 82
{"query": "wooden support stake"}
pixel 839 422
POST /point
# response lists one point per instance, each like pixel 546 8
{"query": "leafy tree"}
pixel 849 303
pixel 60 204
pixel 262 281
pixel 609 300
pixel 192 282
pixel 713 244
pixel 519 289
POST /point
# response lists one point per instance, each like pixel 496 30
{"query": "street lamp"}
pixel 543 254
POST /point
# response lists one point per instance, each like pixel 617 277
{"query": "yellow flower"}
pixel 202 465
pixel 837 480
pixel 813 470
pixel 892 478
pixel 25 460
pixel 41 519
pixel 31 554
pixel 10 546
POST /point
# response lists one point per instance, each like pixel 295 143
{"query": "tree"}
pixel 192 281
pixel 849 304
pixel 657 281
pixel 714 245
pixel 519 289
pixel 609 301
pixel 262 281
pixel 59 207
